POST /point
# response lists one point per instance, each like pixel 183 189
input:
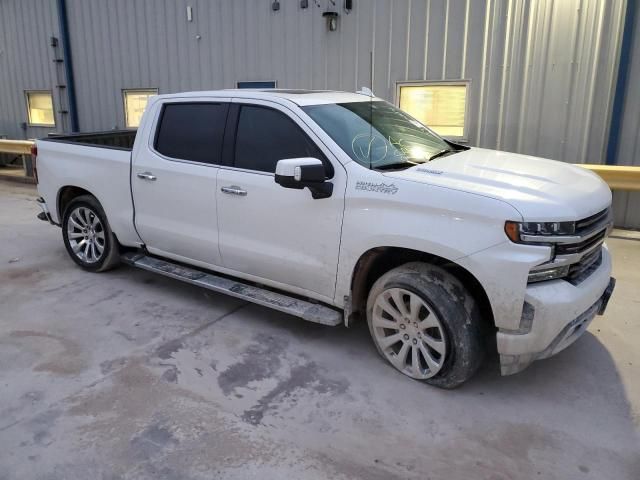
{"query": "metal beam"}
pixel 618 177
pixel 19 147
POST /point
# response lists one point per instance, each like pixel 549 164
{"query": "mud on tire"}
pixel 450 347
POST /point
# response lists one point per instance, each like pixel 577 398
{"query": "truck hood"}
pixel 540 189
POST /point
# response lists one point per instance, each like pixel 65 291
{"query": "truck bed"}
pixel 117 139
pixel 99 163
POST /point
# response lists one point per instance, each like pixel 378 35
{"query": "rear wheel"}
pixel 87 235
pixel 426 324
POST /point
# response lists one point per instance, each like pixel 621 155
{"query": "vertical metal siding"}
pixel 541 71
pixel 26 62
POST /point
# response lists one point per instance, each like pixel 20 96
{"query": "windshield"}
pixel 377 134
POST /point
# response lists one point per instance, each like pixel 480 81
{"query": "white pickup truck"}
pixel 331 206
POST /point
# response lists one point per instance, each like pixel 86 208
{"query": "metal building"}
pixel 543 77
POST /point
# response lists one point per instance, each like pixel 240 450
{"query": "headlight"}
pixel 521 232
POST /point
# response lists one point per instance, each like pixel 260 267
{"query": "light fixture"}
pixel 542 273
pixel 538 232
pixel 275 6
pixel 332 20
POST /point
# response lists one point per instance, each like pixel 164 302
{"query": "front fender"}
pixel 435 220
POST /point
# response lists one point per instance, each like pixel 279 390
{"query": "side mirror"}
pixel 299 173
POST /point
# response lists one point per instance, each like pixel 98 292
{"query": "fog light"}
pixel 551 273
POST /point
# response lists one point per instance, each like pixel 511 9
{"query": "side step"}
pixel 311 312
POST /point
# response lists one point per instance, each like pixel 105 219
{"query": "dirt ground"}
pixel 128 375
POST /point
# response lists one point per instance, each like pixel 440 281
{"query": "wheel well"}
pixel 378 261
pixel 65 196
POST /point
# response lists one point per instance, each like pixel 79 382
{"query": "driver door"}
pixel 278 235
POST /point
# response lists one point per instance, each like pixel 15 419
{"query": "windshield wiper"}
pixel 396 165
pixel 441 153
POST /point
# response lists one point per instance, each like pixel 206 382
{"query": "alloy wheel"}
pixel 86 234
pixel 409 333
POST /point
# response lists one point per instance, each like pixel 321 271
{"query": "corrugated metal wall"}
pixel 626 205
pixel 26 61
pixel 542 71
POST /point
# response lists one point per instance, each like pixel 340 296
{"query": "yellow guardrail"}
pixel 618 177
pixel 19 147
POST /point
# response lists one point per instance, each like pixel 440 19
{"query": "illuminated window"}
pixel 439 105
pixel 135 101
pixel 40 109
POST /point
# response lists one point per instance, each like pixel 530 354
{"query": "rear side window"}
pixel 192 131
pixel 265 135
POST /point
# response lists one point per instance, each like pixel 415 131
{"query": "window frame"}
pixel 157 124
pixel 233 120
pixel 441 83
pixel 124 92
pixel 53 108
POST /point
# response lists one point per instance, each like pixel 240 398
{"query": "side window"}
pixel 265 135
pixel 192 131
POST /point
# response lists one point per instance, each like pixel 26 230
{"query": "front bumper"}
pixel 561 313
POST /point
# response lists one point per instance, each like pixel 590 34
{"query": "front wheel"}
pixel 426 324
pixel 87 235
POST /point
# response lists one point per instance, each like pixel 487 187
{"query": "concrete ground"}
pixel 129 375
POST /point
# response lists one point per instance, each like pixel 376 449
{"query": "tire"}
pixel 421 312
pixel 87 235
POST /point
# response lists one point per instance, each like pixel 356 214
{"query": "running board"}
pixel 311 312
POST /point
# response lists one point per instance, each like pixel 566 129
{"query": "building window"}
pixel 442 106
pixel 40 109
pixel 135 101
pixel 266 84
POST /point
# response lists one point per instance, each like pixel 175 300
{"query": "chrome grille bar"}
pixel 587 222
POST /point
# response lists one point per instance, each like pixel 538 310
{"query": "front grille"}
pixel 590 248
pixel 584 225
pixel 582 269
pixel 583 246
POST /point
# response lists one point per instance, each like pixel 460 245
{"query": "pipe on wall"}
pixel 68 65
pixel 621 83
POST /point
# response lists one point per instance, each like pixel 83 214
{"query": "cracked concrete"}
pixel 128 375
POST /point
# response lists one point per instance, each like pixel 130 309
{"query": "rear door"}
pixel 267 231
pixel 174 180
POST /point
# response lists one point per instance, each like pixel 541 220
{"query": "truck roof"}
pixel 299 97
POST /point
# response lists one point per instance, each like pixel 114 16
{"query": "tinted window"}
pixel 192 131
pixel 265 136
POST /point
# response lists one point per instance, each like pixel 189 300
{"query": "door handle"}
pixel 234 190
pixel 147 176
